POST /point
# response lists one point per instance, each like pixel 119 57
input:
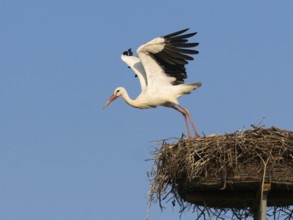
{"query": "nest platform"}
pixel 226 171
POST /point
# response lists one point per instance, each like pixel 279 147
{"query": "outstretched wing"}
pixel 134 63
pixel 164 58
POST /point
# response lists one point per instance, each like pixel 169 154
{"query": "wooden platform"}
pixel 237 198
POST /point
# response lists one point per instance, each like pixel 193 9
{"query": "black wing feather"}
pixel 181 37
pixel 173 57
pixel 185 45
pixel 176 33
pixel 170 59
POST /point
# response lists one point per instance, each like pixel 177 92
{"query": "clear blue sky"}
pixel 62 157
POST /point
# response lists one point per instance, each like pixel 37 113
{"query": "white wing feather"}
pixel 155 74
pixel 137 67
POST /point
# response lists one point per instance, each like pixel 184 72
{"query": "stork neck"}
pixel 128 100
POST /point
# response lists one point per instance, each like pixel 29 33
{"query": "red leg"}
pixel 185 119
pixel 190 119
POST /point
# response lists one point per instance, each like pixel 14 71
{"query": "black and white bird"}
pixel 160 67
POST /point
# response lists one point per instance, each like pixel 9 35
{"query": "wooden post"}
pixel 261 209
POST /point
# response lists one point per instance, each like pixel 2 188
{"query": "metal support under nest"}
pixel 260 212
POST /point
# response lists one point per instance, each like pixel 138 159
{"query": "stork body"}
pixel 160 67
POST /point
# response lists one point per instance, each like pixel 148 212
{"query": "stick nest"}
pixel 225 171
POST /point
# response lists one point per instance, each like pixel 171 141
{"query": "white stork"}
pixel 160 67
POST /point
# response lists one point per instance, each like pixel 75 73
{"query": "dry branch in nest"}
pixel 225 171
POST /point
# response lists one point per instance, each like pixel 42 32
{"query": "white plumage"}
pixel 160 68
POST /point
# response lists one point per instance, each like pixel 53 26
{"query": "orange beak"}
pixel 111 99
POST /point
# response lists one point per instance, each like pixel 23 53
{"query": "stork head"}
pixel 117 93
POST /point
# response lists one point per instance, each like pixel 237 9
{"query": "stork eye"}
pixel 117 91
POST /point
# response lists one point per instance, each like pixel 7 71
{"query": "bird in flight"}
pixel 160 68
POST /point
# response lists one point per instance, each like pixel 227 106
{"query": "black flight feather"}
pixel 176 33
pixel 173 58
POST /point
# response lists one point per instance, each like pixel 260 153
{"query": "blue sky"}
pixel 63 157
